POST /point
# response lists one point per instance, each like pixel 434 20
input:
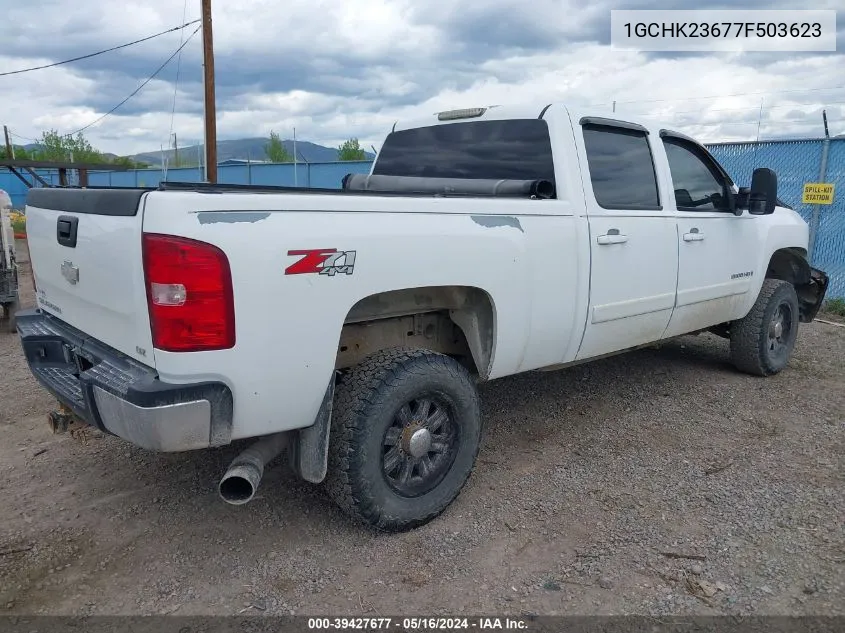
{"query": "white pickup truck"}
pixel 349 328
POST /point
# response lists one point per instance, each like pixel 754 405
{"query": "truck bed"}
pixel 300 261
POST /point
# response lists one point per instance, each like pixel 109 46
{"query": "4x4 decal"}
pixel 322 261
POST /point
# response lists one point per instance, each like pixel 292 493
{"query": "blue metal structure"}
pixel 322 175
pixel 796 162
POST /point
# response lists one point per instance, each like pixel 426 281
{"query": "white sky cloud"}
pixel 340 68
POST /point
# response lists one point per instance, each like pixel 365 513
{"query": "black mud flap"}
pixel 309 452
pixel 811 295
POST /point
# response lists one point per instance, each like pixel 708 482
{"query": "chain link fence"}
pixel 796 163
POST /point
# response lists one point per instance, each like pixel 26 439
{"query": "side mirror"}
pixel 763 196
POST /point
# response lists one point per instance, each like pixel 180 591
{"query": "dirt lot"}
pixel 587 477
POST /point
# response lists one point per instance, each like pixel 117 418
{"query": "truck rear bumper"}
pixel 120 396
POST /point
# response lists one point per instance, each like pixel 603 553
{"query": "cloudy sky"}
pixel 340 68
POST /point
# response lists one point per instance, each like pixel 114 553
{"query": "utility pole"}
pixel 210 110
pixel 175 151
pixel 814 220
pixel 10 149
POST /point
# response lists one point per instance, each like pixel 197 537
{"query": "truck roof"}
pixel 527 110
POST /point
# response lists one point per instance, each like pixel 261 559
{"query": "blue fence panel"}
pixel 322 175
pixel 829 248
pixel 185 174
pixel 230 175
pixel 17 190
pixel 316 175
pixel 330 175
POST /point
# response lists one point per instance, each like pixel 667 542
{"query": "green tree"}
pixel 276 151
pixel 62 148
pixel 20 153
pixel 56 147
pixel 351 150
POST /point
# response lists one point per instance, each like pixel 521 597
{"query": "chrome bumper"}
pixel 107 389
pixel 183 426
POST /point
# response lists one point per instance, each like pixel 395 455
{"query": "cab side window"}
pixel 697 186
pixel 621 168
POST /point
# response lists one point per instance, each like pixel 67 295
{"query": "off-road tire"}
pixel 751 346
pixel 368 400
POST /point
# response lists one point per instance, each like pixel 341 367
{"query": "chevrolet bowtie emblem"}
pixel 70 272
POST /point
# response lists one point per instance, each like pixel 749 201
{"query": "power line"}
pixel 737 94
pixel 178 68
pixel 138 89
pixel 769 122
pixel 108 50
pixel 756 107
pixel 25 138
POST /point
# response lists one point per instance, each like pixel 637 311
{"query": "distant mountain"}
pixel 245 148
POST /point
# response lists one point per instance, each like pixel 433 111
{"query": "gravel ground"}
pixel 590 480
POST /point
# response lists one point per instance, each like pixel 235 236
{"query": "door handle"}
pixel 612 237
pixel 694 235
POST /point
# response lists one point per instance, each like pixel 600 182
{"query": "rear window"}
pixel 517 149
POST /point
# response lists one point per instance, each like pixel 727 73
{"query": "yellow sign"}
pixel 817 193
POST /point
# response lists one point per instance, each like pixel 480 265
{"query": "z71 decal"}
pixel 322 261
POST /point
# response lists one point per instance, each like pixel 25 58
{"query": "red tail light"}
pixel 189 294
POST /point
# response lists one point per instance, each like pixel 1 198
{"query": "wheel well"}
pixel 790 264
pixel 454 320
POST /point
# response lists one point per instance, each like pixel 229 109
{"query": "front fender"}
pixel 783 230
pixel 811 295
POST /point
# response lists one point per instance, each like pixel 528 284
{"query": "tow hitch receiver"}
pixel 60 420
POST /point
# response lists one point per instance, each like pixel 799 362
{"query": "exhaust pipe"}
pixel 241 480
